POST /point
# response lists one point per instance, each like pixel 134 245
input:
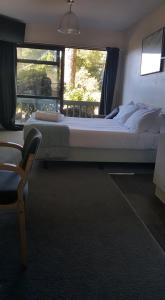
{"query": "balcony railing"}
pixel 26 106
pixel 81 109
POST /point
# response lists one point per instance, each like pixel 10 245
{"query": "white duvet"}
pixel 102 133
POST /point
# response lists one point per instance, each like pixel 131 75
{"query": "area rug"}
pixel 85 242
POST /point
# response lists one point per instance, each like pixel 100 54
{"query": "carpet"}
pixel 140 192
pixel 85 242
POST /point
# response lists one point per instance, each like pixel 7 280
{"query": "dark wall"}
pixel 11 30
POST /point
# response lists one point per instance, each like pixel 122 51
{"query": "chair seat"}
pixel 8 187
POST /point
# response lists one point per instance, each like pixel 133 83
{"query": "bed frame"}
pixel 82 154
pixel 112 155
pixel 101 155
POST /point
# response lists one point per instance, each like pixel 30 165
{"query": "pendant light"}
pixel 69 23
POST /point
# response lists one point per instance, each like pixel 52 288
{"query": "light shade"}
pixel 69 23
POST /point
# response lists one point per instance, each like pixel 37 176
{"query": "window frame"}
pixel 80 48
pixel 59 63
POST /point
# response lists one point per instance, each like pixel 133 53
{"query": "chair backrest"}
pixel 31 145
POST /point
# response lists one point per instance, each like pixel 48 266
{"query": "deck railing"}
pixel 83 109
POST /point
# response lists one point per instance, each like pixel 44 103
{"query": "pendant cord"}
pixel 70 9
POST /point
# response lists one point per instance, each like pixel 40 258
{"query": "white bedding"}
pixel 102 134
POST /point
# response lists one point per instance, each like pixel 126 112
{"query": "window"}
pixel 46 81
pixel 39 80
pixel 83 74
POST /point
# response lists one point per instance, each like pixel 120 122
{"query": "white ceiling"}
pixel 109 14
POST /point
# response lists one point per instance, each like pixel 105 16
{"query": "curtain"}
pixel 8 86
pixel 109 80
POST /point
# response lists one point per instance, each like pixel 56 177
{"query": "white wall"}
pixel 88 38
pixel 149 89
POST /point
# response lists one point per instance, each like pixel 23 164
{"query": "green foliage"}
pixel 29 81
pixel 85 87
pixel 92 61
pixel 31 77
pixel 48 56
pixel 75 94
pixel 88 79
pixel 36 54
pixel 85 80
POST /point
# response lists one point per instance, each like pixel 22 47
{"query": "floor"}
pixel 136 183
pixel 139 190
pixel 69 234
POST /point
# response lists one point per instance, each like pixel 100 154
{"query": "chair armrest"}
pixel 13 168
pixel 11 145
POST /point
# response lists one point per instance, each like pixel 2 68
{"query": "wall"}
pixel 88 38
pixel 149 89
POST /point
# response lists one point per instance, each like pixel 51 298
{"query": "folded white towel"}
pixel 49 116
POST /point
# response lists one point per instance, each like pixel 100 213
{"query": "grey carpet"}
pixel 140 192
pixel 85 242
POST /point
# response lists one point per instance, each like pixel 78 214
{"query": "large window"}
pixel 51 79
pixel 39 80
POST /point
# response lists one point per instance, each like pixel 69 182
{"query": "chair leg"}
pixel 23 237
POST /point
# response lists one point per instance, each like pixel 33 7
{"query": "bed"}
pixel 97 140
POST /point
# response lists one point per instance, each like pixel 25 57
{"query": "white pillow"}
pixel 125 111
pixel 48 116
pixel 155 128
pixel 142 120
pixel 147 106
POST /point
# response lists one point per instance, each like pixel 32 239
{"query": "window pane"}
pixel 83 74
pixel 26 106
pixel 37 80
pixel 37 54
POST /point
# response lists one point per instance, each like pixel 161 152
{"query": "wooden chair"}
pixel 14 183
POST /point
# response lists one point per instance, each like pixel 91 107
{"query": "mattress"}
pixel 102 134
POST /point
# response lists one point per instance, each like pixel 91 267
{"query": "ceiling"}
pixel 116 15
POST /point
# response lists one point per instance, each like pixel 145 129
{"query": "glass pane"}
pixel 37 54
pixel 83 75
pixel 37 80
pixel 26 106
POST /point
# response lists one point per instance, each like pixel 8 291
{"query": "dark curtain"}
pixel 109 80
pixel 8 86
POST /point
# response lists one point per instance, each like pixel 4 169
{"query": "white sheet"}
pixel 103 133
